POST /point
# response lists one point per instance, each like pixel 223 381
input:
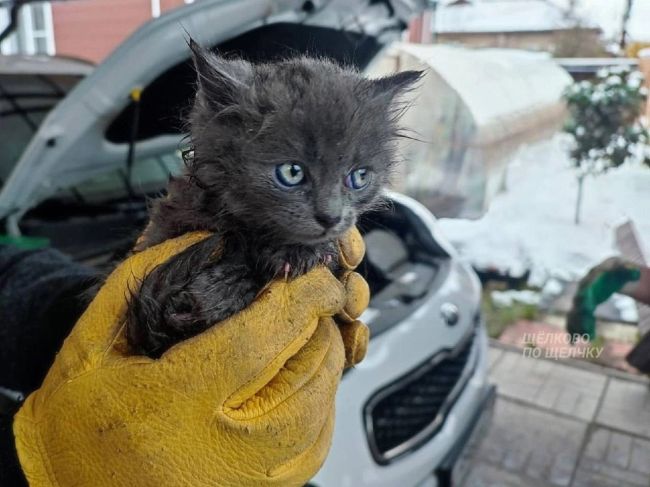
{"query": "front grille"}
pixel 408 412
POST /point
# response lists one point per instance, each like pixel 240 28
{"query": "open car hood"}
pixel 30 87
pixel 88 132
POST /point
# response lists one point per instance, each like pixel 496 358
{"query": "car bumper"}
pixel 351 461
pixel 455 467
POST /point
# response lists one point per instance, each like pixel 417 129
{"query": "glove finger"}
pixel 297 372
pixel 355 340
pixel 351 249
pixel 290 414
pixel 244 353
pixel 311 411
pixel 610 264
pixel 358 297
pixel 299 469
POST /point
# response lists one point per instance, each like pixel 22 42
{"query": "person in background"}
pixel 614 275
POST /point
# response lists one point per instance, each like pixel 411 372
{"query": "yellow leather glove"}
pixel 249 402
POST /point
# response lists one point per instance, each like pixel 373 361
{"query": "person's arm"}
pixel 11 474
pixel 42 295
pixel 609 277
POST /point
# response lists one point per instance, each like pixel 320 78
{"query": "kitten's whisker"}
pixel 245 119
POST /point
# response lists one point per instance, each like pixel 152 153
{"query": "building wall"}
pixel 537 41
pixel 91 29
pixel 524 40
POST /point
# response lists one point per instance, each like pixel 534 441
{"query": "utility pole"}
pixel 625 20
pixel 433 5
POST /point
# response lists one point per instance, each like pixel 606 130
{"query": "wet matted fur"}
pixel 248 119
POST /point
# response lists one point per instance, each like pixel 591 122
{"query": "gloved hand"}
pixel 249 402
pixel 596 287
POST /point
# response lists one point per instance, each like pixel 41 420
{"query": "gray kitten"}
pixel 286 156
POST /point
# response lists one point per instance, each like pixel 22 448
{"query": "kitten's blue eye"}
pixel 358 179
pixel 289 174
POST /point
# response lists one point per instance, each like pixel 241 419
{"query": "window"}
pixel 38 34
pixel 35 33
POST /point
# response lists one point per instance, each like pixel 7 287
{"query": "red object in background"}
pixel 419 30
pixel 91 29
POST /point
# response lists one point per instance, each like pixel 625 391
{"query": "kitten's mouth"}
pixel 294 236
pixel 318 238
pixel 315 239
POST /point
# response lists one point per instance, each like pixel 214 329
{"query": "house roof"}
pixel 513 82
pixel 608 15
pixel 495 16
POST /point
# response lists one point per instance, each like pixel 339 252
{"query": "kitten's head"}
pixel 295 150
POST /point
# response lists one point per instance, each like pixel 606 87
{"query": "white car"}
pixel 407 414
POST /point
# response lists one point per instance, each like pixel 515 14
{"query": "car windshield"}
pixel 148 176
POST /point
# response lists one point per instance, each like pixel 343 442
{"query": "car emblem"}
pixel 449 313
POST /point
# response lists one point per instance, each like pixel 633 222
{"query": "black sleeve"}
pixel 11 475
pixel 42 294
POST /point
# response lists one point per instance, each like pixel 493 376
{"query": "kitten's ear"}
pixel 388 87
pixel 220 80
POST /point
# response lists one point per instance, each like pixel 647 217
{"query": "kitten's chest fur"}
pixel 211 280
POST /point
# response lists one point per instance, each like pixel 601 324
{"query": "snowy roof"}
pixel 543 15
pixel 608 15
pixel 576 65
pixel 500 16
pixel 495 83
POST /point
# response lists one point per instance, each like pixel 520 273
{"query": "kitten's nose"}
pixel 327 221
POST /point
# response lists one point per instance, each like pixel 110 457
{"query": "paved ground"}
pixel 565 425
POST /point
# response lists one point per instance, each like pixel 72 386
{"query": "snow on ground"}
pixel 505 299
pixel 530 225
pixel 627 307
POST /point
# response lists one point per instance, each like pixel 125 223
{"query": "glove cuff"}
pixel 29 447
